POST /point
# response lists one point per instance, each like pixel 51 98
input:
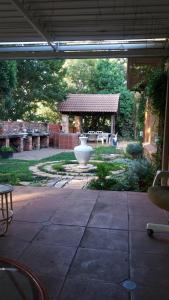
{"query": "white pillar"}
pixel 112 124
pixel 78 123
pixel 65 123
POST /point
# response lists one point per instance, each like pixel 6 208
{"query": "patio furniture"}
pixel 18 282
pixel 101 137
pixel 6 207
pixel 159 195
pixel 92 136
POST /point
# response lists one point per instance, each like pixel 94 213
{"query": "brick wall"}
pixel 8 127
pixel 68 140
pixel 54 129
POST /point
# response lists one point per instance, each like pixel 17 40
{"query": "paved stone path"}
pixel 61 181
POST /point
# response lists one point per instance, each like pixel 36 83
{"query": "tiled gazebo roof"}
pixel 90 103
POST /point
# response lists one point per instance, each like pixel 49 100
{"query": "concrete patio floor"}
pixel 84 244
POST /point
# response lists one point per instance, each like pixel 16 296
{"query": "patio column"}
pixel 65 123
pixel 165 156
pixel 112 124
pixel 78 123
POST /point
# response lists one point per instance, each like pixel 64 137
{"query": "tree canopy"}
pixel 32 87
pixel 103 76
pixel 35 82
pixel 8 79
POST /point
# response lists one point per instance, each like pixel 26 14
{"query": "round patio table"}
pixel 17 282
pixel 6 207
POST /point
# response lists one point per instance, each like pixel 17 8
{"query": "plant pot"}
pixel 6 154
pixel 83 152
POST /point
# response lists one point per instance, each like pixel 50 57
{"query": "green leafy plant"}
pixel 9 178
pixel 144 170
pixel 58 167
pixel 135 150
pixel 6 149
pixel 102 171
pixel 99 184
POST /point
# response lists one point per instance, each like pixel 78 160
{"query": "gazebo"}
pixel 81 105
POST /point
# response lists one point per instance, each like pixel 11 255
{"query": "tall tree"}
pixel 109 77
pixel 38 81
pixel 26 83
pixel 104 76
pixel 78 75
pixel 8 79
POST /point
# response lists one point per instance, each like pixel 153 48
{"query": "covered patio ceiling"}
pixel 83 28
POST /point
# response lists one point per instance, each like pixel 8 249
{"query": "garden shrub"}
pixel 135 150
pixel 138 178
pixel 98 184
pixel 58 167
pixel 144 170
pixel 102 171
pixel 9 178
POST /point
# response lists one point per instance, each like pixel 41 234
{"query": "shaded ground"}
pixel 84 244
pixel 38 154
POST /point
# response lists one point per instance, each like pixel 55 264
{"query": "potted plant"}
pixel 6 152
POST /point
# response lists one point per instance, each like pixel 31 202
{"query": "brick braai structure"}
pixel 24 136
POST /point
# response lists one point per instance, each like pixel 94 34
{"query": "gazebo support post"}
pixel 165 156
pixel 112 124
pixel 65 123
pixel 78 123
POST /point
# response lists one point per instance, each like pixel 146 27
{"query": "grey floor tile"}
pixel 45 259
pixel 92 289
pixel 105 265
pixel 37 211
pixel 150 269
pixel 12 248
pixel 53 284
pixel 73 212
pixel 61 234
pixel 109 215
pixel 145 293
pixel 159 244
pixel 139 222
pixel 24 231
pixel 105 239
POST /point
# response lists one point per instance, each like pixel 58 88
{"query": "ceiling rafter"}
pixel 33 22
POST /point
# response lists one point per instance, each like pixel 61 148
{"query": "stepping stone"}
pixel 79 184
pixel 52 182
pixel 60 184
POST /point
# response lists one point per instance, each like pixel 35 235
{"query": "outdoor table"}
pixel 18 282
pixel 6 207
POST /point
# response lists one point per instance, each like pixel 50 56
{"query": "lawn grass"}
pixel 107 150
pixel 14 170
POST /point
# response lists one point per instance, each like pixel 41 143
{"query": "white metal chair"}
pixel 91 132
pixel 92 136
pixel 159 195
pixel 100 137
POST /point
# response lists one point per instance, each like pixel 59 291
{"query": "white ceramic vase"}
pixel 83 152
